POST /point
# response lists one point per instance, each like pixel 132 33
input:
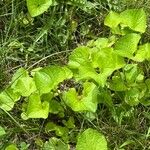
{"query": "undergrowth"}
pixel 48 39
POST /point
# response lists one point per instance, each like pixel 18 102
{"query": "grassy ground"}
pixel 24 41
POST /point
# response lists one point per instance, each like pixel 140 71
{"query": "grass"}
pixel 24 41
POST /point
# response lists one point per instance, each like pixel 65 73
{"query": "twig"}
pixel 47 58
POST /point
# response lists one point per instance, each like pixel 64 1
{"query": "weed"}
pixel 113 98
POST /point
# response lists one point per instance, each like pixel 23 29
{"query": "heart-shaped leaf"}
pixel 37 7
pixel 127 45
pixel 36 108
pixel 48 78
pixel 8 99
pixel 85 102
pixel 91 139
pixel 133 19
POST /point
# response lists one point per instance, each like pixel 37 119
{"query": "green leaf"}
pixel 59 130
pixel 130 19
pixel 127 45
pixel 55 107
pixel 91 139
pixel 11 147
pixel 90 116
pixel 2 131
pixel 112 20
pixel 95 63
pixel 117 83
pixel 37 7
pixel 36 108
pixel 133 74
pixel 86 71
pixel 20 73
pixel 48 78
pixel 107 61
pixel 8 99
pixel 85 102
pixel 72 100
pixel 134 19
pixel 70 124
pixel 24 86
pixel 99 43
pixel 55 144
pixel 81 64
pixel 132 97
pixel 143 53
pixel 35 70
pixel 78 57
pixel 118 30
pixel 24 146
pixel 47 97
pixel 145 93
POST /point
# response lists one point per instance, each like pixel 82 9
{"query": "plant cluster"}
pixel 105 71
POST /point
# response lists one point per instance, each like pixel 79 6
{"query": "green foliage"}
pixel 142 53
pixel 134 19
pixel 22 83
pixel 85 61
pixel 36 108
pixel 92 140
pixel 87 101
pixel 92 65
pixel 127 45
pixel 112 20
pixel 37 7
pixel 24 146
pixel 55 144
pixel 8 99
pixel 24 86
pixel 105 71
pixel 59 130
pixel 48 78
pixel 11 147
